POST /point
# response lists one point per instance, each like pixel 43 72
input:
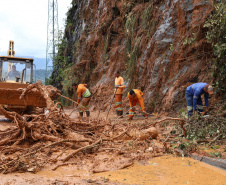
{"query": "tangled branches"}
pixel 54 138
pixel 210 129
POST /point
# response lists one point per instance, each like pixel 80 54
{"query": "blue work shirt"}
pixel 196 90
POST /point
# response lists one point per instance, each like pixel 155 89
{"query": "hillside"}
pixel 160 46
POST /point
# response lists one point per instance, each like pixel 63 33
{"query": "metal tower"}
pixel 52 36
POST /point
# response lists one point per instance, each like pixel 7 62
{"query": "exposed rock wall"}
pixel 158 45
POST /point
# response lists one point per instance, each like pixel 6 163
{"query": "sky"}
pixel 25 22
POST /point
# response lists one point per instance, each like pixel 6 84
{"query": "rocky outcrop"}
pixel 157 45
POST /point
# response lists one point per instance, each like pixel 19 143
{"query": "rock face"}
pixel 156 44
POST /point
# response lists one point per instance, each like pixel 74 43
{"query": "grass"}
pixel 131 69
pixel 147 19
pixel 129 29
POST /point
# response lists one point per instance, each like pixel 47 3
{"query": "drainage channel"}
pixel 219 163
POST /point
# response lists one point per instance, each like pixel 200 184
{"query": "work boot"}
pixel 118 113
pixel 80 114
pixel 87 113
pixel 121 114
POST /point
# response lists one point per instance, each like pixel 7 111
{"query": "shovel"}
pixel 111 102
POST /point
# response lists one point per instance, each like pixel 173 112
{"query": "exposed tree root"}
pixel 54 137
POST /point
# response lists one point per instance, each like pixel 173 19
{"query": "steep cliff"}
pixel 159 45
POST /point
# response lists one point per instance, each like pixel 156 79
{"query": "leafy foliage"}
pixel 62 76
pixel 206 128
pixel 190 40
pixel 131 51
pixel 131 70
pixel 215 35
pixel 147 19
pixel 129 28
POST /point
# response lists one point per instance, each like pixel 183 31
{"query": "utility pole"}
pixel 52 36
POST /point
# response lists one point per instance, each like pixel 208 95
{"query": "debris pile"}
pixel 53 138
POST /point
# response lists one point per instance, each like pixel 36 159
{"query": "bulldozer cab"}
pixel 16 69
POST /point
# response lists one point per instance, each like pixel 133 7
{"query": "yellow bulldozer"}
pixel 16 73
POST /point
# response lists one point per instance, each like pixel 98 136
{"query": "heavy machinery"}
pixel 16 73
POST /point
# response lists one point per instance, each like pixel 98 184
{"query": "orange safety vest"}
pixel 119 82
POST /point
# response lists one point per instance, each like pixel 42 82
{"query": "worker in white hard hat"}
pixel 193 97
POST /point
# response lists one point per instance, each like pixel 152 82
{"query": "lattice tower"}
pixel 52 36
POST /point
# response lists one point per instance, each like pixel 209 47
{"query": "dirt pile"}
pixel 54 138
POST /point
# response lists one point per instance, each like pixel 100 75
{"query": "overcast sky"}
pixel 25 22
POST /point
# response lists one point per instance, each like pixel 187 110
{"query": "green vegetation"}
pixel 40 75
pixel 190 146
pixel 62 76
pixel 129 29
pixel 215 154
pixel 132 52
pixel 201 128
pixel 202 131
pixel 131 69
pixel 216 25
pixel 147 19
pixel 190 40
pixel 147 15
pixel 171 47
pixel 133 44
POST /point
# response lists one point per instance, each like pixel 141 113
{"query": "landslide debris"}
pixel 54 139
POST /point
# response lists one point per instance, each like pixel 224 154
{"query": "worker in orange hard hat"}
pixel 84 96
pixel 135 96
pixel 119 86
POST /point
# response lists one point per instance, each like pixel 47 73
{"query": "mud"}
pixel 157 171
pixel 169 170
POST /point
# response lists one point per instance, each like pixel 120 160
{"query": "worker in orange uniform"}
pixel 119 86
pixel 84 96
pixel 135 96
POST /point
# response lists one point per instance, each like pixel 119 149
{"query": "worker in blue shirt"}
pixel 193 97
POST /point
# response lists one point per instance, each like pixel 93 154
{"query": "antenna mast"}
pixel 52 36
